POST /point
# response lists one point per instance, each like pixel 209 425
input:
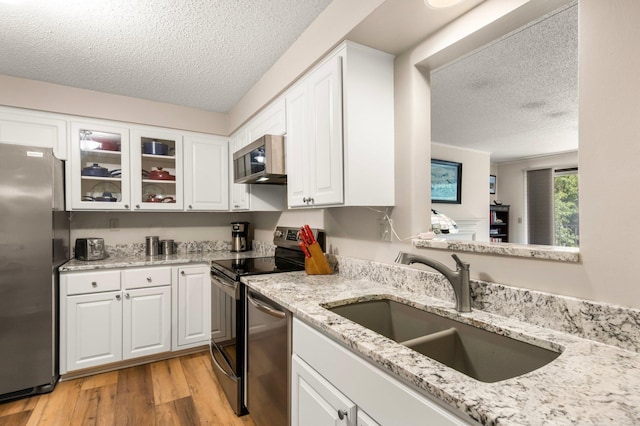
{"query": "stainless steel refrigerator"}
pixel 34 241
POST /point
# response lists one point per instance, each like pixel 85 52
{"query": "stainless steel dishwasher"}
pixel 268 368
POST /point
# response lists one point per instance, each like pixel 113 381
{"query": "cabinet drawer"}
pixel 146 277
pixel 92 282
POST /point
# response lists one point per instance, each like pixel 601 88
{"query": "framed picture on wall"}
pixel 446 182
pixel 492 184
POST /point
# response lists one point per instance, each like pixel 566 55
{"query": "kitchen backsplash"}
pixel 601 322
pixel 138 249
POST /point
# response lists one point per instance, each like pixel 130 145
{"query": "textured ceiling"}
pixel 517 97
pixel 200 53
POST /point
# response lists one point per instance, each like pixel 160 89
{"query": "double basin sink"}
pixel 481 354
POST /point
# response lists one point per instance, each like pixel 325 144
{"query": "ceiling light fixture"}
pixel 440 4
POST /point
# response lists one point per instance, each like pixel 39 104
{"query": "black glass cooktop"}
pixel 259 265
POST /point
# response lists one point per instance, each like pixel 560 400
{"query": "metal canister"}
pixel 153 246
pixel 167 247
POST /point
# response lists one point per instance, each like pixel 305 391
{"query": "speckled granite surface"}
pixel 133 255
pixel 562 254
pixel 588 384
pixel 601 322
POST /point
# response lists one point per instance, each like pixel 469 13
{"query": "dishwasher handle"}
pixel 264 307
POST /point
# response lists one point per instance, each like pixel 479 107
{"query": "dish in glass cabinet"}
pixel 104 192
pixel 155 194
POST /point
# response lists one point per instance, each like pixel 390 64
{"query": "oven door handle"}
pixel 263 307
pixel 230 288
pixel 215 347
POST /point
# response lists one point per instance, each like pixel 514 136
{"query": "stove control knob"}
pixel 277 233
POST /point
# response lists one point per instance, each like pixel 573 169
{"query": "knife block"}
pixel 317 264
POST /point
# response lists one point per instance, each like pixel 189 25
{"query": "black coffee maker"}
pixel 240 236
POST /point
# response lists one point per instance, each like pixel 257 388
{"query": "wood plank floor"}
pixel 178 391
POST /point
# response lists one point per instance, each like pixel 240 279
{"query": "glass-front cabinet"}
pixel 99 169
pixel 156 169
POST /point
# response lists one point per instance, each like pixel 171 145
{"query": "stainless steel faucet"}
pixel 459 278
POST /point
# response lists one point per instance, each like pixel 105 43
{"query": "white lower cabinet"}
pixel 146 325
pixel 93 330
pixel 314 401
pixel 120 314
pixel 329 382
pixel 192 307
pixel 364 419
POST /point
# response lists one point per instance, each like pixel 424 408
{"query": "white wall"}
pixel 133 227
pixel 511 187
pixel 38 95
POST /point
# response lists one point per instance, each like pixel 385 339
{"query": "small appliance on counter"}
pixel 90 248
pixel 167 247
pixel 240 236
pixel 152 245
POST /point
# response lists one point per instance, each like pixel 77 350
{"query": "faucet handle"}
pixel 460 263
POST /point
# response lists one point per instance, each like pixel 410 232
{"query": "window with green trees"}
pixel 566 207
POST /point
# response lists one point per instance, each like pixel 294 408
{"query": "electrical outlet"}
pixel 384 229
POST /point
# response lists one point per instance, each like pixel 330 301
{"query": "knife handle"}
pixel 309 234
pixel 304 248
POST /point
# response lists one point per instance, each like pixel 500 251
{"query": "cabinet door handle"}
pixel 127 296
pixel 190 206
pixel 342 414
pixel 126 206
pixel 182 273
pixel 94 284
pixel 149 279
pixel 118 297
pixel 137 206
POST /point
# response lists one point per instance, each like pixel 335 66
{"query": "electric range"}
pixel 228 349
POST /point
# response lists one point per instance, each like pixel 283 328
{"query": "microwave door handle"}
pixel 263 307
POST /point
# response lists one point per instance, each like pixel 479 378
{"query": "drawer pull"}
pixel 182 273
pixel 149 279
pixel 118 297
pixel 94 284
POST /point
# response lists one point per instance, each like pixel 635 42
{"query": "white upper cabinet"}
pixel 258 197
pixel 207 172
pixel 340 135
pixel 156 170
pixel 118 166
pixel 270 121
pixel 98 174
pixel 33 128
pixel 240 193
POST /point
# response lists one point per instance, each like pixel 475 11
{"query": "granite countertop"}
pixel 589 383
pixel 127 261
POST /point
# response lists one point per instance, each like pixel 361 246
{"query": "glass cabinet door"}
pixel 156 167
pixel 99 167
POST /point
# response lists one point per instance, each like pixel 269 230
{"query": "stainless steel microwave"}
pixel 262 161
